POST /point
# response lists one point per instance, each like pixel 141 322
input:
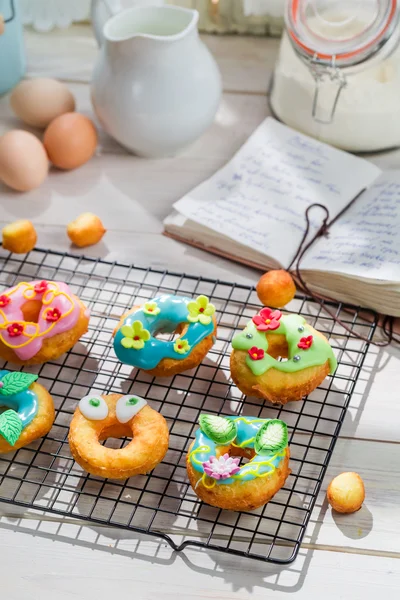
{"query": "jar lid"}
pixel 340 32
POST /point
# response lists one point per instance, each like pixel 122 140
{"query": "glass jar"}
pixel 337 77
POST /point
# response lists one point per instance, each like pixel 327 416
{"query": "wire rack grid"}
pixel 44 476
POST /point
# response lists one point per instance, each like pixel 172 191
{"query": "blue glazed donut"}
pixel 24 403
pixel 30 410
pixel 213 460
pixel 136 344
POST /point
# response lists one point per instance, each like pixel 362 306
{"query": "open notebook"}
pixel 253 211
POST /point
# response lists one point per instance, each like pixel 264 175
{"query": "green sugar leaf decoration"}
pixel 16 382
pixel 219 429
pixel 271 437
pixel 10 426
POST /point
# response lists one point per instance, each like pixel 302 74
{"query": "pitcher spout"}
pixel 163 24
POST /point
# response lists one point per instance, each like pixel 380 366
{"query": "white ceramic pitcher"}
pixel 155 87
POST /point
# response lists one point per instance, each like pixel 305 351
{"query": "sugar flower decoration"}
pixel 256 353
pixel 15 329
pixel 267 319
pixel 41 287
pixel 4 300
pixel 52 315
pixel 151 308
pixel 135 336
pixel 200 310
pixel 305 342
pixel 221 468
pixel 181 346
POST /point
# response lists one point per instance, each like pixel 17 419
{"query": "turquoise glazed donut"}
pixel 136 344
pixel 30 410
pixel 214 460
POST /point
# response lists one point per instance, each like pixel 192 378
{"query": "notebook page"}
pixel 365 241
pixel 259 198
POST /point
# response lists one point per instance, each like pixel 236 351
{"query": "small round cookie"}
pixel 99 417
pixel 86 230
pixel 136 344
pixel 346 493
pixel 39 321
pixel 271 335
pixel 213 461
pixel 276 288
pixel 30 413
pixel 19 237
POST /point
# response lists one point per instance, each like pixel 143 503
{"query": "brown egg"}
pixel 19 237
pixel 70 140
pixel 276 288
pixel 346 493
pixel 23 160
pixel 37 102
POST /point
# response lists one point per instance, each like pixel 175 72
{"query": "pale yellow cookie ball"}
pixel 86 230
pixel 19 237
pixel 346 493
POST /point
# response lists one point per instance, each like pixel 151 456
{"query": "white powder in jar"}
pixel 367 116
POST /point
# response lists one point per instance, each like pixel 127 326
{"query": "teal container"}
pixel 12 52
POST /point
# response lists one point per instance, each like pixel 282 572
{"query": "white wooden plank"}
pixel 373 412
pixel 376 526
pixel 134 186
pixel 72 55
pixel 72 561
pixel 144 249
pixel 245 62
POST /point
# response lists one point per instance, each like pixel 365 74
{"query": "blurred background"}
pixel 258 17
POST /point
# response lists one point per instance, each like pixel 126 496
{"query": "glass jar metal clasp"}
pixel 329 82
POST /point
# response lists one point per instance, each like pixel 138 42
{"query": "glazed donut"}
pixel 100 417
pixel 271 335
pixel 39 321
pixel 30 413
pixel 213 461
pixel 135 341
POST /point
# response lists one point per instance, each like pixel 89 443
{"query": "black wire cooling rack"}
pixel 44 475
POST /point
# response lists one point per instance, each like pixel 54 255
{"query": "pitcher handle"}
pixel 110 9
pixel 323 75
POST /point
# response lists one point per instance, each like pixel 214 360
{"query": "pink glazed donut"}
pixel 39 321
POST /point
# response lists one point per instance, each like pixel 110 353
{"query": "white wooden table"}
pixel 46 557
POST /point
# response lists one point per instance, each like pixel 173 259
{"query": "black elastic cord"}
pixel 387 324
pixel 12 12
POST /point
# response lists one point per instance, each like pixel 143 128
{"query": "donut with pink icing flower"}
pixel 39 321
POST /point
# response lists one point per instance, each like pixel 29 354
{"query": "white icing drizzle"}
pixel 93 407
pixel 128 406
